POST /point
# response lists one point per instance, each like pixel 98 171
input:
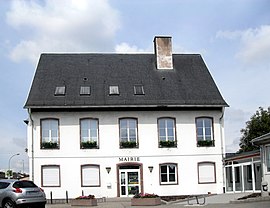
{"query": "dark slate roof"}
pixel 189 84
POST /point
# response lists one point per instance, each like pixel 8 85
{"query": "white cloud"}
pixel 62 26
pixel 235 120
pixel 255 44
pixel 126 48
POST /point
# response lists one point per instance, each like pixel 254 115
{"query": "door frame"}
pixel 129 164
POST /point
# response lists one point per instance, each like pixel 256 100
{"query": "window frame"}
pixel 168 145
pixel 176 174
pixel 204 163
pixel 50 144
pixel 129 144
pixel 97 142
pixel 205 142
pixel 82 179
pixel 42 175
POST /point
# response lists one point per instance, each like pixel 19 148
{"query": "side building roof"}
pixel 188 84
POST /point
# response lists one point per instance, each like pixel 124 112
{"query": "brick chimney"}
pixel 163 52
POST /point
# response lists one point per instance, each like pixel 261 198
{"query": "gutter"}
pixel 221 122
pixel 32 143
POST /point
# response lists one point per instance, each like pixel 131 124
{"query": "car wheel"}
pixel 9 204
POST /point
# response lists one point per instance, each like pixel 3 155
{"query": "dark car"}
pixel 21 193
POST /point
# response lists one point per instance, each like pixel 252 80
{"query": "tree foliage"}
pixel 258 125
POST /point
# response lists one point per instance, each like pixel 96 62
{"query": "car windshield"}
pixel 24 184
pixel 4 185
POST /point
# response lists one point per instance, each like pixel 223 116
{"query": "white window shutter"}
pixel 51 176
pixel 207 173
pixel 90 175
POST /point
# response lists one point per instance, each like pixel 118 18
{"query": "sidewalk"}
pixel 215 201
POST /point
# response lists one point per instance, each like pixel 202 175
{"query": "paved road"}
pixel 262 204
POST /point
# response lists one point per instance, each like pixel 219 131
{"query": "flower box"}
pixel 84 202
pixel 49 145
pixel 167 144
pixel 89 145
pixel 145 201
pixel 128 144
pixel 142 199
pixel 206 143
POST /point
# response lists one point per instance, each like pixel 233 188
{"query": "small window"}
pixel 114 90
pixel 138 90
pixel 50 175
pixel 168 174
pixel 85 90
pixel 60 90
pixel 90 175
pixel 207 172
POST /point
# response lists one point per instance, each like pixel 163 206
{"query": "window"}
pixel 89 133
pixel 50 175
pixel 166 132
pixel 114 90
pixel 128 133
pixel 49 134
pixel 60 90
pixel 204 132
pixel 267 157
pixel 85 90
pixel 168 174
pixel 90 175
pixel 138 90
pixel 206 172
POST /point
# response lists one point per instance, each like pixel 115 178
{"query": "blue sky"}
pixel 232 36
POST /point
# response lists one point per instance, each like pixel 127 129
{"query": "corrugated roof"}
pixel 188 84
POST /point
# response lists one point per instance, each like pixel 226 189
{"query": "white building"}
pixel 114 125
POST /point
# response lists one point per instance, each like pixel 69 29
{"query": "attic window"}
pixel 85 90
pixel 138 90
pixel 60 90
pixel 114 90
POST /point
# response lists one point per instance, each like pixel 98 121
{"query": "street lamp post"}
pixel 9 162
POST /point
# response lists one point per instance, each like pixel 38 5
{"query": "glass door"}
pixel 238 178
pixel 247 171
pixel 129 182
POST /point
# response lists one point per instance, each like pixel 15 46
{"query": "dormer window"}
pixel 114 90
pixel 60 90
pixel 85 90
pixel 138 90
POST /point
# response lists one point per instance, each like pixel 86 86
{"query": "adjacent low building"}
pixel 114 125
pixel 264 143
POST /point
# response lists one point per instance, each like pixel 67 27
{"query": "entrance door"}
pixel 129 182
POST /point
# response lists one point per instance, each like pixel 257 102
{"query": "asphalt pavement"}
pixel 215 201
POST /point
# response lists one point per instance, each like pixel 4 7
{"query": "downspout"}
pixel 221 122
pixel 32 142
